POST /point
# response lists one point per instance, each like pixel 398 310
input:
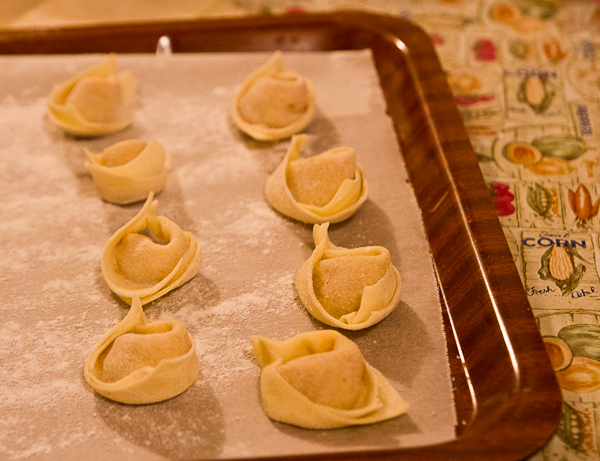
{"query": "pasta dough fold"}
pixel 349 288
pixel 328 187
pixel 94 102
pixel 274 102
pixel 134 264
pixel 128 170
pixel 320 380
pixel 141 362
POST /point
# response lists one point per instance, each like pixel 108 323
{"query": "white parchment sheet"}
pixel 55 305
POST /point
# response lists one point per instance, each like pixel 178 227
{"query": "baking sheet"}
pixel 56 305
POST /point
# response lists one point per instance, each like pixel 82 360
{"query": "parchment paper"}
pixel 56 306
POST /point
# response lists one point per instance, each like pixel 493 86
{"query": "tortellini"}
pixel 134 264
pixel 349 288
pixel 320 380
pixel 328 187
pixel 274 102
pixel 128 170
pixel 95 102
pixel 143 362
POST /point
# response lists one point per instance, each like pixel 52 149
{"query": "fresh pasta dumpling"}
pixel 135 264
pixel 128 170
pixel 320 380
pixel 349 288
pixel 274 102
pixel 328 187
pixel 143 362
pixel 95 102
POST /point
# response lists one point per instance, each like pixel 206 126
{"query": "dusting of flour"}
pixel 56 306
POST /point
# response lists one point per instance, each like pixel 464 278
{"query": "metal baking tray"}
pixel 507 400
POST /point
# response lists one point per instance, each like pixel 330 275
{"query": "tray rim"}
pixel 494 429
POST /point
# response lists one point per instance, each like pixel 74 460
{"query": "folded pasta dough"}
pixel 134 264
pixel 349 288
pixel 328 187
pixel 320 380
pixel 128 170
pixel 274 102
pixel 141 362
pixel 94 102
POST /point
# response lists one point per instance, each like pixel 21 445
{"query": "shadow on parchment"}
pixel 188 426
pixel 393 346
pixel 71 150
pixel 171 204
pixel 201 291
pixel 397 346
pixel 171 428
pixel 382 435
pixel 379 435
pixel 370 225
pixel 322 135
pixel 402 335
